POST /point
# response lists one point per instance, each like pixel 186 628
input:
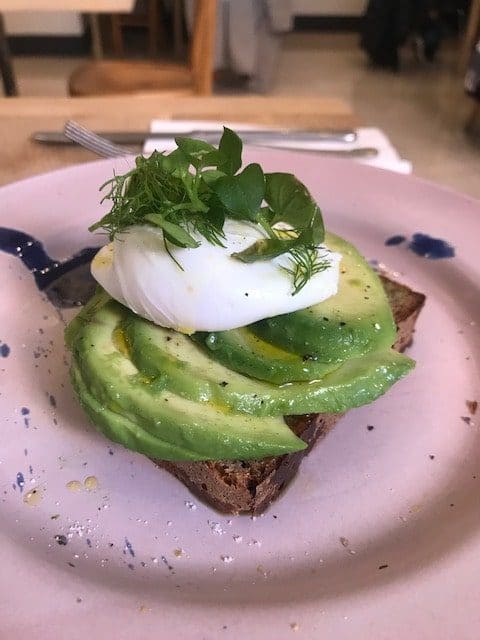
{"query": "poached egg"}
pixel 211 291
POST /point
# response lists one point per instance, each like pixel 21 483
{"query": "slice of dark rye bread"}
pixel 250 486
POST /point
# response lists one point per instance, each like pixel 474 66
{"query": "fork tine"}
pixel 90 140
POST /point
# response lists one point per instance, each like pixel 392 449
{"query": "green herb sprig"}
pixel 192 190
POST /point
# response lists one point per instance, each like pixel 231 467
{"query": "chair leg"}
pixel 6 67
pixel 153 28
pixel 117 36
pixel 471 34
pixel 97 46
pixel 178 45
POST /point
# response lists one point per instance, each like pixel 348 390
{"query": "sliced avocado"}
pixel 245 352
pixel 100 298
pixel 119 429
pixel 202 429
pixel 187 370
pixel 358 319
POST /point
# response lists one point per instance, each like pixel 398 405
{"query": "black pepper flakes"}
pixel 370 427
pixel 431 456
pixel 466 419
pixel 61 539
pixel 383 566
pixel 223 383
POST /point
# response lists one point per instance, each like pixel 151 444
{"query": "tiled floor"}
pixel 423 109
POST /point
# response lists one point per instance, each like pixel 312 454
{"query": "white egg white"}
pixel 212 291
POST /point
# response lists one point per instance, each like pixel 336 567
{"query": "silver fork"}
pixel 93 142
pixel 103 147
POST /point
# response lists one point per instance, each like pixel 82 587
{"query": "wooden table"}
pixel 20 117
pixel 92 7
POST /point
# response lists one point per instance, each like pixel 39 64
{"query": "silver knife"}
pixel 250 136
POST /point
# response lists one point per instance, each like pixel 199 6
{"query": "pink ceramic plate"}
pixel 379 535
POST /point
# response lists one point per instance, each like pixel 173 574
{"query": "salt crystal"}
pixel 257 543
pixel 216 527
pixel 190 505
pixel 238 539
pixel 226 559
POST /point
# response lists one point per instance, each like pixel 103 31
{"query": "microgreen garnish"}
pixel 192 190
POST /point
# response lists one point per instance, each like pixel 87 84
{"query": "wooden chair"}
pixel 103 77
pixel 149 19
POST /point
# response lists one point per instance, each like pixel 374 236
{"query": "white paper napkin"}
pixel 387 158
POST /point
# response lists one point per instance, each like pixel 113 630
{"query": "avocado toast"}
pixel 208 404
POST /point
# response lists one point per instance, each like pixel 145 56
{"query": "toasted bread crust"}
pixel 250 486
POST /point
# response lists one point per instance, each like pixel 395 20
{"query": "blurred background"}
pixel 409 68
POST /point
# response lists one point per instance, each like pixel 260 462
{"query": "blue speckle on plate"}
pixel 25 412
pixel 434 248
pixel 394 240
pixel 424 245
pixel 20 481
pixel 129 548
pixel 4 350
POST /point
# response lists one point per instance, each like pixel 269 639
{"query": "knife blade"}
pixel 251 136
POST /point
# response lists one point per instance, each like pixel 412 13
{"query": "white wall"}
pixel 67 23
pixel 43 23
pixel 329 7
